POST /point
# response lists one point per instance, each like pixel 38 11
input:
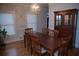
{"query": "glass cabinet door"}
pixel 58 20
pixel 68 19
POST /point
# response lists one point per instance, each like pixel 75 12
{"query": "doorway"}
pixel 47 19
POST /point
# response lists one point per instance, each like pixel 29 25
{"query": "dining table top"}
pixel 49 42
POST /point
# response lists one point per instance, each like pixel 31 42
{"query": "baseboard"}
pixel 11 40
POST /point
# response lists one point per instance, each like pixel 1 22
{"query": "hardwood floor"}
pixel 17 49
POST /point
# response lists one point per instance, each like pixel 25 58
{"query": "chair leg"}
pixel 31 51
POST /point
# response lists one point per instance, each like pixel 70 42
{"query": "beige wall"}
pixel 19 11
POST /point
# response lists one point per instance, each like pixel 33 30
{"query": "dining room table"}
pixel 47 41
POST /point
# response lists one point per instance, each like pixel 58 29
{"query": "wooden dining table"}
pixel 48 42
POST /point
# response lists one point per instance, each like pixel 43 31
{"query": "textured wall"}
pixel 20 11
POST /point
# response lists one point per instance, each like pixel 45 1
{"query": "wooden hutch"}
pixel 66 23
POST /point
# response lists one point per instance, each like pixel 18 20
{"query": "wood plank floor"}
pixel 17 49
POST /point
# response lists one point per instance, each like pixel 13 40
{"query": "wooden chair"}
pixel 50 32
pixel 63 46
pixel 68 43
pixel 28 45
pixel 37 49
pixel 27 30
pixel 32 45
pixel 45 30
pixel 53 33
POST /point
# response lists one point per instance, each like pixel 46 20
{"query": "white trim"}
pixel 12 38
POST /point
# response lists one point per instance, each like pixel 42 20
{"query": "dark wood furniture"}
pixel 36 48
pixel 33 46
pixel 50 32
pixel 27 30
pixel 65 22
pixel 53 33
pixel 47 41
pixel 45 30
pixel 64 46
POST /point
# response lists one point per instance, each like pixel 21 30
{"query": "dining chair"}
pixel 54 34
pixel 64 44
pixel 37 49
pixel 45 30
pixel 27 31
pixel 51 33
pixel 28 45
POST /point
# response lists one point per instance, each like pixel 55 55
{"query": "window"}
pixel 7 22
pixel 32 21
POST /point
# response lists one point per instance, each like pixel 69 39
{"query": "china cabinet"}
pixel 66 22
